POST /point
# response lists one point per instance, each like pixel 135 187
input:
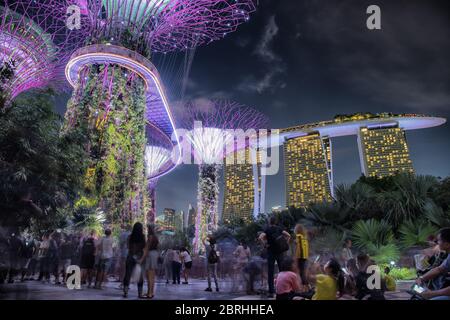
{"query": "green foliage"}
pixel 441 194
pixel 328 240
pixel 333 215
pixel 383 254
pixel 372 232
pixel 403 273
pixel 415 233
pixel 113 122
pixel 437 215
pixel 36 163
pixel 406 198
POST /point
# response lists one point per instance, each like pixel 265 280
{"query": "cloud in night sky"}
pixel 272 64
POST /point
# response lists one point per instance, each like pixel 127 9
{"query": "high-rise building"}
pixel 244 186
pixel 383 151
pixel 191 215
pixel 308 170
pixel 169 218
pixel 185 215
pixel 178 221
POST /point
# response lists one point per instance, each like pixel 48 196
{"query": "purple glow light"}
pixel 166 25
pixel 33 41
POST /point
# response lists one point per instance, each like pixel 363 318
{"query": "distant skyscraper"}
pixel 383 152
pixel 308 170
pixel 178 221
pixel 191 215
pixel 244 186
pixel 169 218
pixel 185 215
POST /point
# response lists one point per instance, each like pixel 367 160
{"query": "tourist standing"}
pixel 242 255
pixel 104 254
pixel 136 244
pixel 176 266
pixel 27 252
pixel 88 259
pixel 53 256
pixel 15 251
pixel 187 264
pixel 123 252
pixel 44 274
pixel 212 259
pixel 346 254
pixel 65 256
pixel 302 251
pixel 277 241
pixel 150 261
pixel 167 264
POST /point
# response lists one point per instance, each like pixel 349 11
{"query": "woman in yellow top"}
pixel 330 285
pixel 302 251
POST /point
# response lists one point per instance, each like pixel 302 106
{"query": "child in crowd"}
pixel 389 280
pixel 330 283
pixel 288 283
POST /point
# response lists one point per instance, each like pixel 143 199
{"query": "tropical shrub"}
pixel 437 215
pixel 403 273
pixel 383 254
pixel 415 233
pixel 372 233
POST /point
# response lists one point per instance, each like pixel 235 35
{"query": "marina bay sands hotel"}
pixel 308 160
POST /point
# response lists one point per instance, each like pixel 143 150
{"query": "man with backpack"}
pixel 277 243
pixel 212 259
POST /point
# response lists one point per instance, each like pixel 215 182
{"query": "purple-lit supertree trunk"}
pixel 34 46
pixel 215 129
pixel 124 36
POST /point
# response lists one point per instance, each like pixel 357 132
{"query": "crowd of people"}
pixel 136 256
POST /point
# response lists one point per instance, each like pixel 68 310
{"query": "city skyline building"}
pixel 382 144
pixel 383 151
pixel 307 170
pixel 244 192
pixel 169 218
pixel 191 215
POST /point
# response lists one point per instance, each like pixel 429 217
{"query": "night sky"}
pixel 302 61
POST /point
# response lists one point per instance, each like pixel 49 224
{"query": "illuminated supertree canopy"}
pixel 164 25
pixel 118 91
pixel 32 45
pixel 210 136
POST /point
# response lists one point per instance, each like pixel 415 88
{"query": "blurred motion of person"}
pixel 186 259
pixel 88 259
pixel 44 269
pixel 15 252
pixel 104 252
pixel 150 261
pixel 176 266
pixel 167 264
pixel 27 253
pixel 212 259
pixel 302 251
pixel 242 255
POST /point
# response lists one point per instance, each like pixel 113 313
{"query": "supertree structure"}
pixel 211 136
pixel 118 90
pixel 159 161
pixel 33 46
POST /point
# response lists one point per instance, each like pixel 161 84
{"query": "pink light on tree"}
pixel 33 45
pixel 164 25
pixel 210 126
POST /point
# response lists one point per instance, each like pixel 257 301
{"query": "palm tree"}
pixel 333 215
pixel 407 198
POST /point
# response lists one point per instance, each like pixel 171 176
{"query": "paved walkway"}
pixel 34 290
